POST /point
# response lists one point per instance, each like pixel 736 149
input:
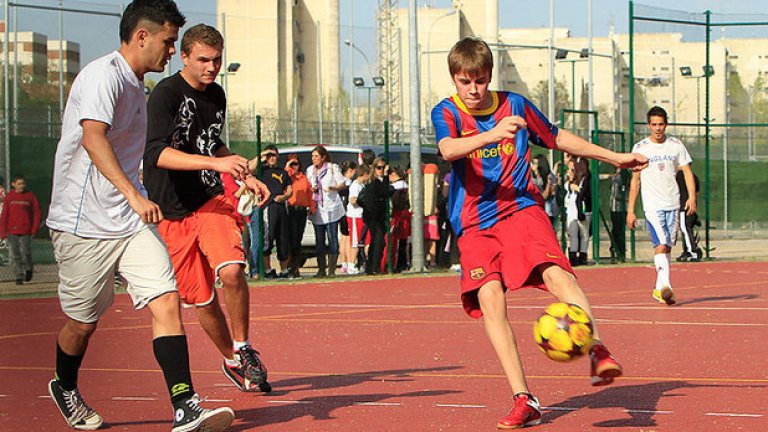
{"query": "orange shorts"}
pixel 200 244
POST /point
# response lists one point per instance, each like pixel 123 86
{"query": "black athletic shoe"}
pixel 188 416
pixel 73 408
pixel 28 275
pixel 237 376
pixel 253 370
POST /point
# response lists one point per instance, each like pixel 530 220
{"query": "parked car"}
pixel 399 156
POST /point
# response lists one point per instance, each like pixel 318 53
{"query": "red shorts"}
pixel 508 252
pixel 356 231
pixel 431 231
pixel 200 244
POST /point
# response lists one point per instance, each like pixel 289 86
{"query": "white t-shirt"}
pixel 658 187
pixel 354 210
pixel 83 201
pixel 330 208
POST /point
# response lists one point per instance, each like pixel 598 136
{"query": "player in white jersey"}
pixel 661 196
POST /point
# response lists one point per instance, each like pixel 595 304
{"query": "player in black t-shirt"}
pixel 182 161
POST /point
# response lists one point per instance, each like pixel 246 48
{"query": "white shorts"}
pixel 662 224
pixel 87 268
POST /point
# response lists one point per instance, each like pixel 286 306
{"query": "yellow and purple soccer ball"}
pixel 563 332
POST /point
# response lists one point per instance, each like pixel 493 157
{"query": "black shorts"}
pixel 344 226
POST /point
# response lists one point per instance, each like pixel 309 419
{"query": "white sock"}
pixel 231 362
pixel 662 270
pixel 668 258
pixel 236 345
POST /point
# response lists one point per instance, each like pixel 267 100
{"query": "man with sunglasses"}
pixel 183 158
pixel 275 214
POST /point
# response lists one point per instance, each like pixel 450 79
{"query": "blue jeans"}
pixel 255 250
pixel 331 231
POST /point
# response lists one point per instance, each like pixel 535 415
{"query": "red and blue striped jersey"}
pixel 493 182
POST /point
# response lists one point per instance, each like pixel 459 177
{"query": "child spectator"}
pixel 19 222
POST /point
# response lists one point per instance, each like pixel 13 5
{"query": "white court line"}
pixel 133 398
pixel 290 402
pixel 559 408
pixel 459 406
pixel 620 306
pixel 216 400
pixel 44 397
pixel 378 403
pixel 732 415
pixel 647 411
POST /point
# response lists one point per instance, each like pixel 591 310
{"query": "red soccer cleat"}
pixel 526 412
pixel 604 367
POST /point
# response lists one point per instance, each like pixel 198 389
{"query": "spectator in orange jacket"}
pixel 19 222
pixel 300 204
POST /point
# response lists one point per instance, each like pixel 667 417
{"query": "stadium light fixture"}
pixel 378 81
pixel 358 81
pixel 686 71
pixel 233 67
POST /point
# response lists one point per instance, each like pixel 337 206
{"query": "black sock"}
pixel 67 367
pixel 172 355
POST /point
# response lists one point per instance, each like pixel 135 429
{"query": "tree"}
pixel 540 97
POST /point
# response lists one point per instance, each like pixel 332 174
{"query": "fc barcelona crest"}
pixel 477 273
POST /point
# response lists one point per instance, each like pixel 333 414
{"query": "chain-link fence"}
pixel 709 71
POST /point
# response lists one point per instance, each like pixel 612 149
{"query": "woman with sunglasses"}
pixel 300 205
pixel 375 214
pixel 326 180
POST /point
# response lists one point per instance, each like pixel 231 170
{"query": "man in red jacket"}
pixel 19 222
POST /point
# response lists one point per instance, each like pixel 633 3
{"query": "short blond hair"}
pixel 471 56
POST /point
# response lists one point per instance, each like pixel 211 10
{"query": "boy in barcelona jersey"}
pixel 505 238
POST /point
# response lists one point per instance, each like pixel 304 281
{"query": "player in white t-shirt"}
pixel 661 196
pixel 102 222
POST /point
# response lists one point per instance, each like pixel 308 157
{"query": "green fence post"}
pixel 595 180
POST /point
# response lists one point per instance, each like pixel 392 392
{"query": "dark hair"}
pixel 323 153
pixel 271 147
pixel 656 111
pixel 157 12
pixel 544 170
pixel 580 170
pixel 348 165
pixel 203 34
pixel 18 177
pixel 368 156
pixel 470 55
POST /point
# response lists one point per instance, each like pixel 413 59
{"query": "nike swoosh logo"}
pixel 465 133
pixel 549 255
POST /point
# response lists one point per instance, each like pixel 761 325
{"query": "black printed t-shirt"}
pixel 188 120
pixel 276 179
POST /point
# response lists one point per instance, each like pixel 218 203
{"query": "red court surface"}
pixel 400 355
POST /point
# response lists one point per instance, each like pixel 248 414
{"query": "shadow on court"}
pixel 638 401
pixel 286 386
pixel 717 299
